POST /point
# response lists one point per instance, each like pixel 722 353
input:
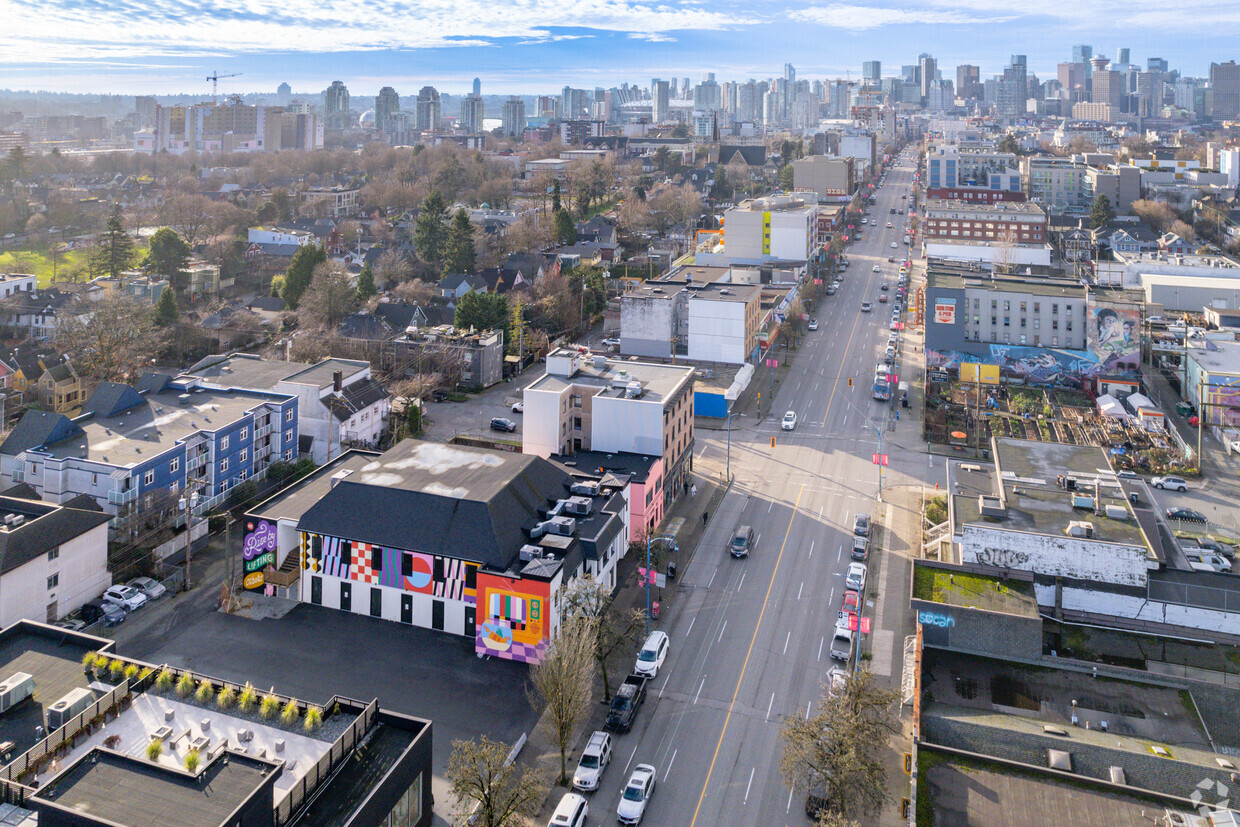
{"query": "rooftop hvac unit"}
pixel 562 526
pixel 529 553
pixel 586 488
pixel 1082 501
pixel 1081 528
pixel 1117 512
pixel 600 362
pixel 578 505
pixel 16 688
pixel 633 390
pixel 64 710
pixel 620 380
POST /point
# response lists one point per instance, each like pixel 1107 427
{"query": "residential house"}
pixel 1172 244
pixel 476 356
pixel 43 377
pixel 11 283
pixel 132 448
pixel 598 230
pixel 1127 238
pixel 322 434
pixel 34 314
pixel 458 284
pixel 53 558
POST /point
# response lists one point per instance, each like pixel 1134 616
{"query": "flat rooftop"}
pixel 956 276
pixel 1223 361
pixel 129 791
pixel 1029 471
pixel 635 466
pixel 54 660
pixel 698 273
pixel 243 370
pixel 292 502
pixel 320 375
pixel 974 591
pixel 134 436
pixel 721 292
pixel 953 205
pixel 348 789
pixel 659 382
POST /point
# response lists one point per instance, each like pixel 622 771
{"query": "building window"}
pixel 149 477
pixel 54 554
pixel 224 443
pixel 1054 308
pixel 53 581
pixel 288 415
pixel 244 455
pixel 224 465
pixel 288 455
pixel 174 465
pixel 1007 321
pixel 1007 306
pixel 288 436
pixel 245 433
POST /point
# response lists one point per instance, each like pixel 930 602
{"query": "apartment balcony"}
pixel 122 497
pixel 197 461
pixel 263 430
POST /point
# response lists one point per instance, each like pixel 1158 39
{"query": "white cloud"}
pixel 861 18
pixel 63 30
pixel 652 37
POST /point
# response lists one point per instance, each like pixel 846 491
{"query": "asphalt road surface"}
pixel 749 646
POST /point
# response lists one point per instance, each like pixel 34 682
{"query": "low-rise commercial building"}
pixel 825 176
pixel 767 230
pixel 709 322
pixel 1019 223
pixel 1212 382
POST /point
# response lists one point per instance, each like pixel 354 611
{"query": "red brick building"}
pixel 1022 223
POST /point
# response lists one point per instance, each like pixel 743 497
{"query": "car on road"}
pixel 841 642
pixel 1216 547
pixel 861 525
pixel 518 407
pixel 884 287
pixel 888 223
pixel 130 599
pixel 742 541
pixel 1128 475
pixel 95 610
pixel 854 579
pixel 652 655
pixel 866 307
pixel 861 548
pixel 891 259
pixel 1174 483
pixel 594 760
pixel 852 603
pixel 789 421
pixel 813 324
pixel 70 625
pixel 149 586
pixel 831 288
pixel 1186 514
pixel 499 423
pixel 570 812
pixel 878 268
pixel 636 795
pixel 611 341
pixel 882 299
pixel 893 246
pixel 625 702
pixel 837 679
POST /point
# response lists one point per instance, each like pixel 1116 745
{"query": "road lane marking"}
pixel 786 641
pixel 630 761
pixel 840 556
pixel 712 577
pixel 801 589
pixel 750 784
pixel 698 694
pixel 741 582
pixel 691 622
pixel 808 707
pixel 770 704
pixel 769 507
pixel 721 629
pixel 788 809
pixel 811 545
pixel 667 773
pixel 821 642
pixel 745 665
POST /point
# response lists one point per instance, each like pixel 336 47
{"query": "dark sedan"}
pixel 1185 514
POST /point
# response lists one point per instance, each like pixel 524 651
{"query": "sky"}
pixel 538 46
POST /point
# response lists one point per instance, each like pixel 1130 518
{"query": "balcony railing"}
pixel 197 461
pixel 263 430
pixel 122 497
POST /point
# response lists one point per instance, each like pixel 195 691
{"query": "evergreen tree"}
pixel 300 272
pixel 483 311
pixel 564 230
pixel 1101 213
pixel 168 256
pixel 113 246
pixel 366 283
pixel 166 311
pixel 459 253
pixel 430 231
pixel 785 177
pixel 555 196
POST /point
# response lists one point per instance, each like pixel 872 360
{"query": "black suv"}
pixel 501 424
pixel 742 542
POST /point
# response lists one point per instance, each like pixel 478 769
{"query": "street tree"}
pixel 1101 213
pixel 166 312
pixel 614 629
pixel 168 256
pixel 562 682
pixel 330 297
pixel 300 271
pixel 487 786
pixel 837 752
pixel 113 340
pixel 564 230
pixel 459 253
pixel 430 233
pixel 114 246
pixel 366 284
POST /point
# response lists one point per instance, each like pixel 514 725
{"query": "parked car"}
pixel 852 603
pixel 625 703
pixel 1186 514
pixel 130 599
pixel 594 760
pixel 652 655
pixel 813 324
pixel 570 812
pixel 854 580
pixel 1128 475
pixel 742 542
pixel 499 423
pixel 611 342
pixel 1216 547
pixel 95 610
pixel 841 643
pixel 861 548
pixel 636 795
pixel 71 625
pixel 789 421
pixel 149 586
pixel 1174 483
pixel 1207 561
pixel 861 525
pixel 519 407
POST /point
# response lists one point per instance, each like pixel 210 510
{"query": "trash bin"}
pixel 1133 497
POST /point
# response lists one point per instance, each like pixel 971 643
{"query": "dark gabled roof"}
pixel 22 491
pixel 367 327
pixel 30 362
pixel 111 398
pixel 37 428
pixel 82 502
pixel 305 443
pixel 466 503
pixel 356 397
pixel 398 315
pixel 455 280
pixel 752 155
pixel 152 382
pixel 61 372
pixel 47 526
pixel 270 304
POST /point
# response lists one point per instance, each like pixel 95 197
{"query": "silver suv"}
pixel 594 759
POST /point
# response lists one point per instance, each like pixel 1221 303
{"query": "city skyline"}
pixel 158 48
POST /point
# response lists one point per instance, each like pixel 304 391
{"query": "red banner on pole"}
pixel 874 459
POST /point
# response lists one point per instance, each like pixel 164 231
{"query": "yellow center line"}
pixel 736 692
pixel 844 360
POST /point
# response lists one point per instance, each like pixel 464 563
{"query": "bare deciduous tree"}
pixel 112 340
pixel 189 214
pixel 613 629
pixel 836 752
pixel 330 297
pixel 415 291
pixel 390 269
pixel 487 786
pixel 562 683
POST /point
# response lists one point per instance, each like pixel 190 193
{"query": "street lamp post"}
pixel 647 578
pixel 878 430
pixel 188 506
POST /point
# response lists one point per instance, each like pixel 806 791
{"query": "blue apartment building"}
pixel 133 448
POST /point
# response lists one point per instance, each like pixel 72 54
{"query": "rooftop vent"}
pixel 340 475
pixel 633 390
pixel 991 507
pixel 183 398
pixel 586 488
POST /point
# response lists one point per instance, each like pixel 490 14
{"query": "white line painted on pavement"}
pixel 769 507
pixel 786 642
pixel 668 772
pixel 721 628
pixel 712 577
pixel 770 704
pixel 808 706
pixel 821 642
pixel 787 809
pixel 840 556
pixel 690 629
pixel 750 784
pixel 741 582
pixel 800 590
pixel 698 694
pixel 811 548
pixel 831 596
pixel 630 761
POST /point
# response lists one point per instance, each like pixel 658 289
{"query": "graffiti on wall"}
pixel 258 551
pixel 1036 365
pixel 1113 336
pixel 513 621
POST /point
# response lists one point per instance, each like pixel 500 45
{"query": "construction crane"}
pixel 215 83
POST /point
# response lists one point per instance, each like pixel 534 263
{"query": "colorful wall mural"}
pixel 258 551
pixel 513 618
pixel 1222 396
pixel 410 571
pixel 1113 336
pixel 1035 365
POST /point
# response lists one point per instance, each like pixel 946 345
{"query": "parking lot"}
pixel 314 653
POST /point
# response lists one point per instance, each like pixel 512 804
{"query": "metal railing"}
pixel 197 461
pixel 64 734
pixel 122 497
pixel 340 750
pixel 263 430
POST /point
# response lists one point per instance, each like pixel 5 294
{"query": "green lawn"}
pixel 39 262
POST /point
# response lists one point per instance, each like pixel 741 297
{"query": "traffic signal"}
pixel 772 442
pixel 850 381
